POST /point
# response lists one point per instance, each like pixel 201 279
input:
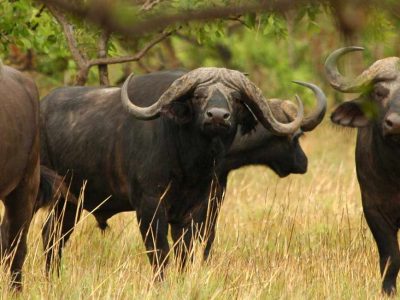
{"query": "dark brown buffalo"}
pixel 282 153
pixel 158 159
pixel 20 165
pixel 376 114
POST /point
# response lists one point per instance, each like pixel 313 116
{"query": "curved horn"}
pixel 337 80
pixel 315 118
pixel 177 89
pixel 260 107
pixel 141 113
pixel 255 100
pixel 381 70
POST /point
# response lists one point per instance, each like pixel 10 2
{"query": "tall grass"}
pixel 302 237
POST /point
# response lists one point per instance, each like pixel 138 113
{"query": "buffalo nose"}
pixel 392 124
pixel 218 114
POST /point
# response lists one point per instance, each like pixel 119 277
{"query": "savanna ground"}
pixel 302 237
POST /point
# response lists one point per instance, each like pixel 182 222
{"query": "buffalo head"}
pixel 216 100
pixel 379 100
pixel 283 154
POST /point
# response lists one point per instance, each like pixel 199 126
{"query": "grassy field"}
pixel 302 237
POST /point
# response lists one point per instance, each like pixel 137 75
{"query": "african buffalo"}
pixel 19 160
pixel 158 160
pixel 376 115
pixel 283 154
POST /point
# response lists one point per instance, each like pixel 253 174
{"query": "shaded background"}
pixel 275 45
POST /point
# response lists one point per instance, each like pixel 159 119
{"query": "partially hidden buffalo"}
pixel 376 115
pixel 283 154
pixel 158 158
pixel 20 165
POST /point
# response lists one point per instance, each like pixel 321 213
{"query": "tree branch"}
pixel 149 4
pixel 84 63
pixel 79 57
pixel 100 13
pixel 135 57
pixel 103 68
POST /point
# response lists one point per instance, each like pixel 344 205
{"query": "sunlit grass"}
pixel 302 237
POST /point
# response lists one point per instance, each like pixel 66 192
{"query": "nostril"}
pixel 392 123
pixel 217 114
pixel 389 123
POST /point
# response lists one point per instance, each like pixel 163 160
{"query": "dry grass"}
pixel 302 237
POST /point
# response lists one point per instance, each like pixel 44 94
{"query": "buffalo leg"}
pixel 56 232
pixel 212 212
pixel 19 209
pixel 385 236
pixel 201 227
pixel 152 219
pixel 212 218
pixel 183 241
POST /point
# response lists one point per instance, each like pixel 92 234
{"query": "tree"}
pixel 64 37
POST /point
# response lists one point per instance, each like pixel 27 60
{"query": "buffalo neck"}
pixel 378 157
pixel 187 155
pixel 196 152
pixel 242 151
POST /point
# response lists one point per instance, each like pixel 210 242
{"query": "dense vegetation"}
pixel 273 48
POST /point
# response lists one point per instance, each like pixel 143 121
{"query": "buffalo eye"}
pixel 199 94
pixel 237 97
pixel 379 92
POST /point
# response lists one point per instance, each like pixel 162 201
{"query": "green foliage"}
pixel 28 27
pixel 262 49
pixel 379 28
pixel 273 48
pixel 31 27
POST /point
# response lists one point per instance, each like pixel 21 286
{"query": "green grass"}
pixel 302 237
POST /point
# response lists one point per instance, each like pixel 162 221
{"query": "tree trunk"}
pixel 103 69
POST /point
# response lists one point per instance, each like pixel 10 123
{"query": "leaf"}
pixel 26 42
pixel 250 20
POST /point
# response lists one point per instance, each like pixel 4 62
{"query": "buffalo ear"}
pixel 246 119
pixel 350 114
pixel 178 111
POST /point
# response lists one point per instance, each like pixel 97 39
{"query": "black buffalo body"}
pixel 282 153
pixel 376 114
pixel 158 159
